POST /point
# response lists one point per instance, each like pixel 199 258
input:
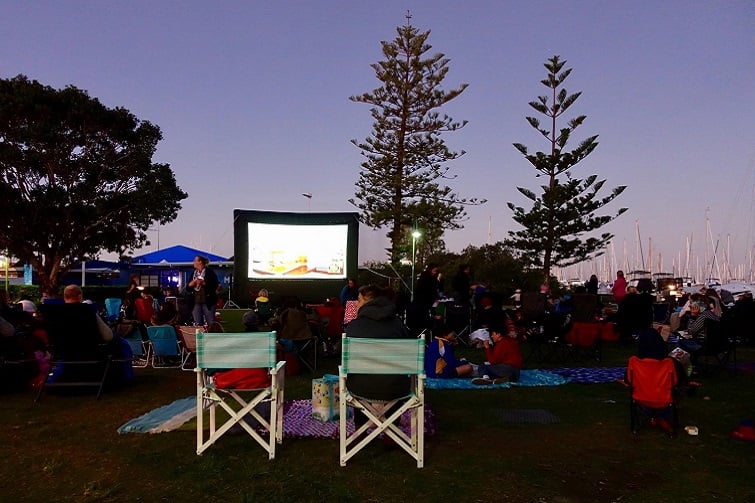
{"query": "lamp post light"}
pixel 4 263
pixel 415 234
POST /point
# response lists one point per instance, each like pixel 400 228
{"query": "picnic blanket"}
pixel 166 418
pixel 522 416
pixel 297 420
pixel 526 378
pixel 591 375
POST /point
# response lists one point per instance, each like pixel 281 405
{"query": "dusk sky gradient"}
pixel 252 100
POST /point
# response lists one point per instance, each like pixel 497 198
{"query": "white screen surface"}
pixel 284 251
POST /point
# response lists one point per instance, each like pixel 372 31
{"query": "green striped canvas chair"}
pixel 249 350
pixel 383 356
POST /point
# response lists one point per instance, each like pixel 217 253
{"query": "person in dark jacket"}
pixel 634 315
pixel 204 283
pixel 376 318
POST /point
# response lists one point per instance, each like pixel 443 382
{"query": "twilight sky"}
pixel 252 100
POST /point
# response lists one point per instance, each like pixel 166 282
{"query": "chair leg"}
pixel 302 347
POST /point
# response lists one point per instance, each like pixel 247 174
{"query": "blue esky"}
pixel 252 100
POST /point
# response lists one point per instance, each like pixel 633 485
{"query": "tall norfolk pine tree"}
pixel 556 228
pixel 399 184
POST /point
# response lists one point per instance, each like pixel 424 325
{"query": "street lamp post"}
pixel 4 263
pixel 415 234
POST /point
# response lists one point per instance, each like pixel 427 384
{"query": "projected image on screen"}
pixel 282 251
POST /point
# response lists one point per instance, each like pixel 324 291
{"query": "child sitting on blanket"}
pixel 439 356
pixel 504 358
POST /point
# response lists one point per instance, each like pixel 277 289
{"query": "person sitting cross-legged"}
pixel 440 360
pixel 504 358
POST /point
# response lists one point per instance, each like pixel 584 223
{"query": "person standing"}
pixel 619 288
pixel 592 285
pixel 426 294
pixel 462 285
pixel 204 283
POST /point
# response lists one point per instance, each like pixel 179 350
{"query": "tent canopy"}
pixel 177 254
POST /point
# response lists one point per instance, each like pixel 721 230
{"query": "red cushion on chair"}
pixel 242 379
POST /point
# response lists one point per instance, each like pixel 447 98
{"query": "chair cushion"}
pixel 242 379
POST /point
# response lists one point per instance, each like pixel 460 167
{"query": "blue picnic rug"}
pixel 549 377
pixel 591 375
pixel 526 378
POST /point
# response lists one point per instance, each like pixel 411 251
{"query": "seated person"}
pixel 377 318
pixel 692 344
pixel 292 324
pixel 166 315
pixel 635 314
pixel 650 344
pixel 490 314
pixel 72 294
pixel 504 358
pixel 262 306
pixel 78 332
pixel 250 321
pixel 487 313
pixel 439 356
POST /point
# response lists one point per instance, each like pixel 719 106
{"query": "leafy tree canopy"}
pixel 76 178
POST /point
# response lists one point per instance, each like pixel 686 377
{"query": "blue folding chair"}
pixel 113 309
pixel 164 346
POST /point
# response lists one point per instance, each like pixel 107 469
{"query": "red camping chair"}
pixel 584 341
pixel 651 383
pixel 144 310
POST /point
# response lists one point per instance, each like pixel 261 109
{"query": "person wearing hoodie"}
pixel 377 319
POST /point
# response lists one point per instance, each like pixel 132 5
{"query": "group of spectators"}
pixel 25 333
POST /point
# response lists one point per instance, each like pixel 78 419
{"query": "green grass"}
pixel 66 448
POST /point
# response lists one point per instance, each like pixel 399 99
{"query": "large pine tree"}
pixel 559 229
pixel 400 185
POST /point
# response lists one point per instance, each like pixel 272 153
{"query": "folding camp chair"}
pixel 718 349
pixel 543 331
pixel 584 307
pixel 144 310
pixel 661 312
pixel 164 346
pixel 235 351
pixel 583 341
pixel 383 356
pixel 140 350
pixel 651 384
pixel 187 336
pixel 306 351
pixel 80 358
pixel 113 309
pixel 458 317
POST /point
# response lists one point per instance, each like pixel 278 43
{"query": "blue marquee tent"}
pixel 175 255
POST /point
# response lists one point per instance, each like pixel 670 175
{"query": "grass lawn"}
pixel 66 448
